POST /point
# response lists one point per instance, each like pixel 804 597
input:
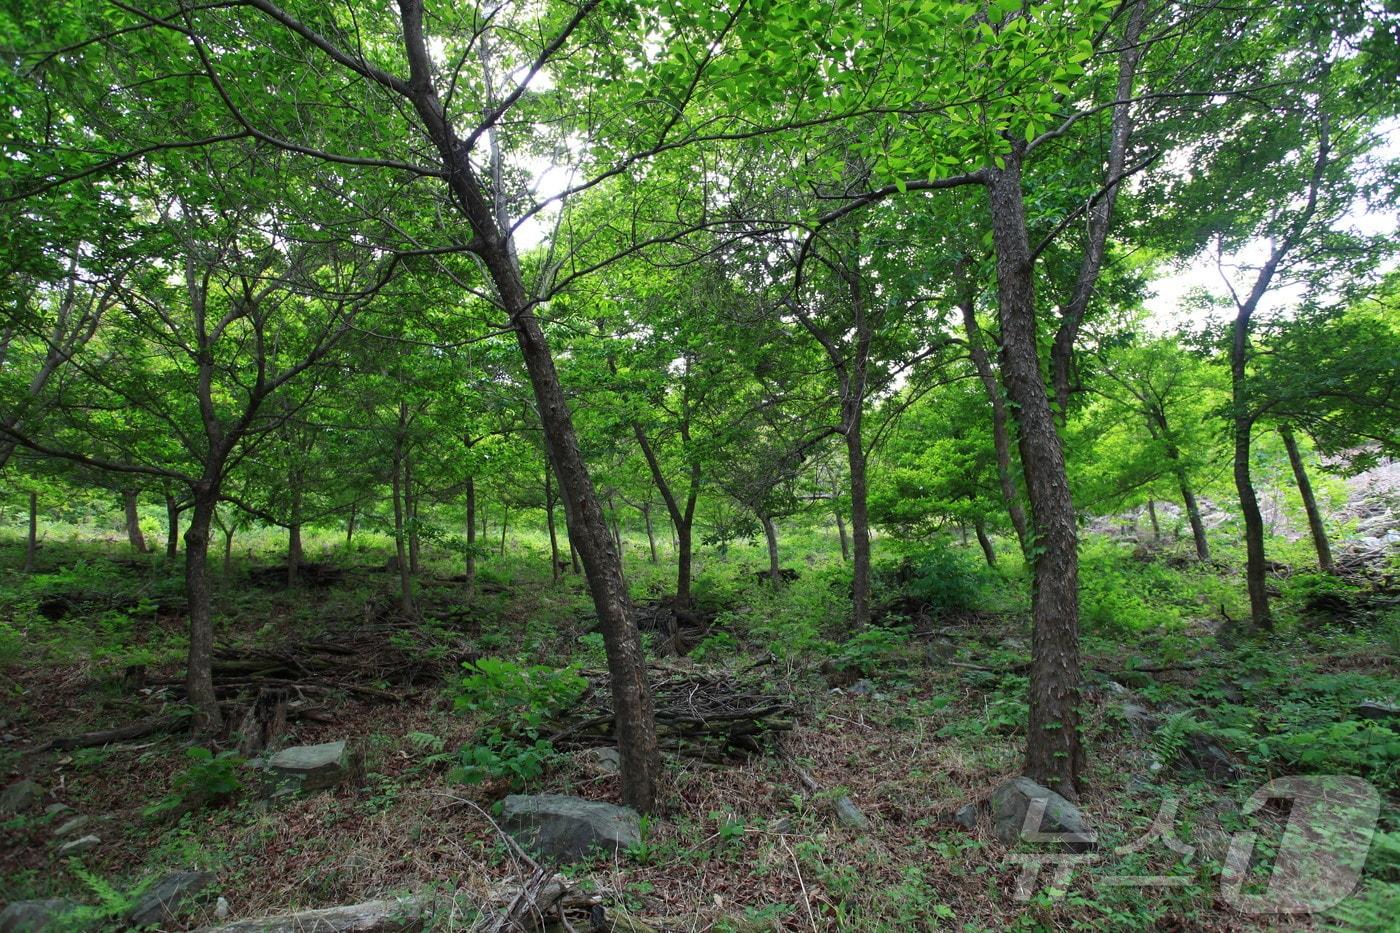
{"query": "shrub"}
pixel 517 701
pixel 208 778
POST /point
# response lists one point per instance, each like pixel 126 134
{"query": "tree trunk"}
pixel 411 508
pixel 841 533
pixel 228 550
pixel 400 550
pixel 294 553
pixel 770 534
pixel 199 675
pixel 651 532
pixel 1054 755
pixel 549 523
pixel 1001 433
pixel 471 534
pixel 1315 525
pixel 860 516
pixel 1243 424
pixel 505 526
pixel 682 520
pixel 350 527
pixel 133 522
pixel 1193 515
pixel 31 547
pixel 172 520
pixel 988 551
pixel 635 722
pixel 1152 516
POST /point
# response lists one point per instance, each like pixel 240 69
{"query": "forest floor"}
pixel 911 721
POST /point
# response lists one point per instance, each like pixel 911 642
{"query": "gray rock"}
pixel 221 908
pixel 1377 711
pixel 604 762
pixel 848 814
pixel 72 827
pixel 1059 820
pixel 57 809
pixel 385 916
pixel 1140 719
pixel 163 901
pixel 861 687
pixel 1208 758
pixel 33 916
pixel 966 816
pixel 311 767
pixel 567 829
pixel 20 797
pixel 79 845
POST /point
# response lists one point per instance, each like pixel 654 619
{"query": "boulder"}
pixel 310 767
pixel 567 829
pixel 383 916
pixel 849 815
pixel 56 810
pixel 34 916
pixel 603 762
pixel 20 797
pixel 163 900
pixel 78 846
pixel 1208 758
pixel 1377 711
pixel 72 827
pixel 1059 820
pixel 965 816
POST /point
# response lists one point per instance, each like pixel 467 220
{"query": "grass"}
pixel 732 847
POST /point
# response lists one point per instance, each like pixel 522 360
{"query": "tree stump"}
pixel 265 720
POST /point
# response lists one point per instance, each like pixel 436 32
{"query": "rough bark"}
pixel 1242 424
pixel 631 695
pixel 133 521
pixel 682 518
pixel 31 545
pixel 199 676
pixel 1315 523
pixel 1001 431
pixel 988 551
pixel 172 522
pixel 770 534
pixel 1193 516
pixel 1054 755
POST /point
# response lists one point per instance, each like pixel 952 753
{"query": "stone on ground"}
pixel 603 762
pixel 965 816
pixel 79 845
pixel 1060 821
pixel 20 797
pixel 73 826
pixel 849 815
pixel 311 767
pixel 384 916
pixel 567 829
pixel 33 916
pixel 164 900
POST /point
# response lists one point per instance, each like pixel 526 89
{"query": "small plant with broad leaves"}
pixel 209 778
pixel 517 701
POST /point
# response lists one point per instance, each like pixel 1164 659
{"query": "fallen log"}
pixel 134 730
pixel 406 915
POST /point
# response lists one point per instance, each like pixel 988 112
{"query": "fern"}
pixel 1170 738
pixel 426 742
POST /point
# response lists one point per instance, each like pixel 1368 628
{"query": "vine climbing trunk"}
pixel 1054 754
pixel 1305 490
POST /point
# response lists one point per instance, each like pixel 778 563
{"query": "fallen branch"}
pixel 135 730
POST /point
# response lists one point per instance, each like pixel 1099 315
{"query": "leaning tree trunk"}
pixel 989 552
pixel 133 522
pixel 770 534
pixel 1193 513
pixel 1315 525
pixel 1054 755
pixel 651 532
pixel 635 719
pixel 31 546
pixel 1152 517
pixel 549 524
pixel 199 676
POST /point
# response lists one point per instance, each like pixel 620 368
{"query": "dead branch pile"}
pixel 714 716
pixel 677 630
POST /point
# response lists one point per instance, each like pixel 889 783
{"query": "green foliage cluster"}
pixel 209 778
pixel 517 701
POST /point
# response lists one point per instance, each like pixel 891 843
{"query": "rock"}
pixel 1377 711
pixel 33 916
pixel 1208 758
pixel 966 816
pixel 861 687
pixel 848 814
pixel 71 827
pixel 221 908
pixel 78 846
pixel 1060 821
pixel 566 829
pixel 20 796
pixel 604 762
pixel 163 900
pixel 1139 719
pixel 385 916
pixel 311 767
pixel 57 809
